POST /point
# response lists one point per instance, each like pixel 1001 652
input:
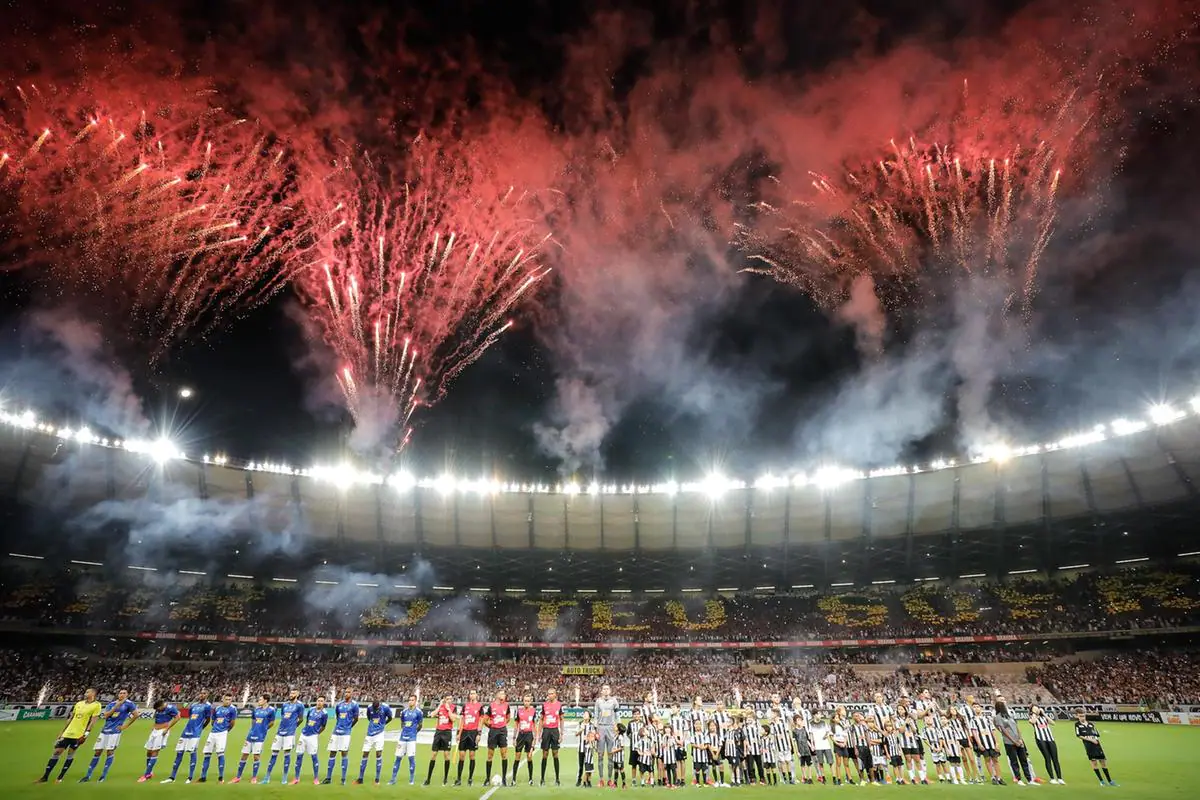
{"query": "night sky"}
pixel 742 372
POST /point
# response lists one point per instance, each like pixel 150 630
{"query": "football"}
pixel 496 780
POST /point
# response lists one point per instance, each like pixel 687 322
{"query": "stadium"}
pixel 387 393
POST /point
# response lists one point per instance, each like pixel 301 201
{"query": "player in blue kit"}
pixel 199 715
pixel 378 716
pixel 345 715
pixel 261 720
pixel 410 724
pixel 291 714
pixel 118 715
pixel 223 718
pixel 165 717
pixel 314 723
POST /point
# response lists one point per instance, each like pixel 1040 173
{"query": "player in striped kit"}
pixel 983 736
pixel 839 733
pixel 893 743
pixel 860 746
pixel 875 747
pixel 961 731
pixel 618 754
pixel 668 748
pixel 935 742
pixel 700 744
pixel 881 712
pixel 646 750
pixel 752 744
pixel 587 750
pixel 952 748
pixel 634 731
pixel 1043 736
pixel 967 710
pixel 781 742
pixel 906 726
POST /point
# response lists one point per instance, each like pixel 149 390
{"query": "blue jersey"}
pixel 378 716
pixel 290 715
pixel 198 716
pixel 124 711
pixel 410 723
pixel 315 721
pixel 223 718
pixel 347 715
pixel 260 723
pixel 168 713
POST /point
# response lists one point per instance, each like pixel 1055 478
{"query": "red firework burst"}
pixel 411 274
pixel 159 199
pixel 916 208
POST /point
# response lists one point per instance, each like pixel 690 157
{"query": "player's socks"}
pixel 192 765
pixel 516 769
pixel 396 768
pixel 329 774
pixel 487 772
pixel 1099 777
pixel 50 765
pixel 316 767
pixel 178 763
pixel 241 768
pixel 362 769
pixel 471 771
pixel 66 767
pixel 204 768
pixel 543 778
pixel 458 777
pixel 95 762
pixel 1107 776
pixel 221 767
pixel 429 775
pixel 446 771
pixel 503 767
pixel 271 766
pixel 412 769
pixel 345 767
pixel 529 768
pixel 150 762
pixel 108 761
pixel 556 766
pixel 287 764
pixel 378 766
pixel 254 770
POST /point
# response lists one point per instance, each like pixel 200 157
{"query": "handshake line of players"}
pixel 780 744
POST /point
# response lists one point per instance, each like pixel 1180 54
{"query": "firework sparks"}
pixel 161 202
pixel 413 279
pixel 920 208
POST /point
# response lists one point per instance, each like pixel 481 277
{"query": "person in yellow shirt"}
pixel 73 735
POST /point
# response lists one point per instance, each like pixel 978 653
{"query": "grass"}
pixel 1148 761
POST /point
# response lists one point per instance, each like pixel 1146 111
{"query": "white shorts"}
pixel 406 749
pixel 215 743
pixel 307 745
pixel 187 744
pixel 284 743
pixel 108 741
pixel 373 742
pixel 339 743
pixel 879 761
pixel 784 756
pixel 157 739
pixel 252 749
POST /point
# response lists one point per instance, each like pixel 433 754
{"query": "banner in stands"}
pixel 583 669
pixel 807 643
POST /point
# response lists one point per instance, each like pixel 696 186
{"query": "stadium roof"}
pixel 938 522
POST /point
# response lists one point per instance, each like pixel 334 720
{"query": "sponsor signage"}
pixel 583 669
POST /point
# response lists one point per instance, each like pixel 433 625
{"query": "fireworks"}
pixel 411 276
pixel 160 201
pixel 917 208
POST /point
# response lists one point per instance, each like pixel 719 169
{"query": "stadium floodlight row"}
pixel 824 477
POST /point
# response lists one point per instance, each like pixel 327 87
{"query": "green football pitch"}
pixel 1147 761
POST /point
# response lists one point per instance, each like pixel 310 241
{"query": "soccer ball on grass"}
pixel 496 780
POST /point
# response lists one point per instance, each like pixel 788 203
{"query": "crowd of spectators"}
pixel 1151 678
pixel 152 602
